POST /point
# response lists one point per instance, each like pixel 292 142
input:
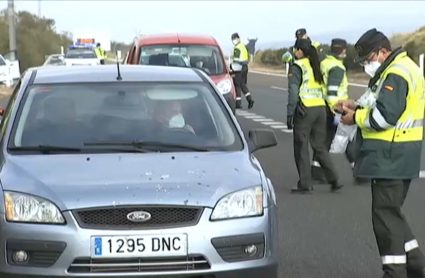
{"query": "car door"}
pixel 13 64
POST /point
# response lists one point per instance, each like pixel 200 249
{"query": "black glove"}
pixel 290 122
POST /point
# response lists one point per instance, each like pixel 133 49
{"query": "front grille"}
pixel 116 217
pixel 132 265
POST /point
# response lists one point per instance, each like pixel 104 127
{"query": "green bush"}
pixel 36 37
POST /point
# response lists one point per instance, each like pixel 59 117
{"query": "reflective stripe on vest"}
pixel 409 127
pixel 310 91
pixel 342 90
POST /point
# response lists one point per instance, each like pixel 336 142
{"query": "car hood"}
pixel 83 181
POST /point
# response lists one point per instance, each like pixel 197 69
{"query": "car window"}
pixel 80 54
pixel 74 114
pixel 205 57
pixel 54 61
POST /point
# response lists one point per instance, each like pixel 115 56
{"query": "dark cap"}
pixel 300 32
pixel 369 42
pixel 302 43
pixel 235 36
pixel 339 43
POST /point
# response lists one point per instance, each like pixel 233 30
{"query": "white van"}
pixel 9 68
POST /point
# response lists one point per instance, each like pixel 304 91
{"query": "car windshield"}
pixel 2 62
pixel 80 54
pixel 54 61
pixel 77 115
pixel 205 57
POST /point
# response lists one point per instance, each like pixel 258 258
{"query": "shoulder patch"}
pixel 389 88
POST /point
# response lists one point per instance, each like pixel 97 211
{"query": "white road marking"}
pixel 278 88
pixel 263 120
pixel 253 117
pixel 422 174
pixel 272 123
pixel 284 75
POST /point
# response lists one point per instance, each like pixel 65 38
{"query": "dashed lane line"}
pixel 263 120
pixel 278 88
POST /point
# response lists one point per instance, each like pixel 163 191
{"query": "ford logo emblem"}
pixel 139 216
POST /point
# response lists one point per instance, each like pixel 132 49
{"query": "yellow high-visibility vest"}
pixel 326 65
pixel 310 91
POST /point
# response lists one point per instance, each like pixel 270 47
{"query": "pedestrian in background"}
pixel 306 115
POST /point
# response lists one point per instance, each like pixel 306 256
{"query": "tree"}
pixel 36 38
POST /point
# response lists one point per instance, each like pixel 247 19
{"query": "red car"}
pixel 183 50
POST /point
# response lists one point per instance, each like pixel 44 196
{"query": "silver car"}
pixel 131 171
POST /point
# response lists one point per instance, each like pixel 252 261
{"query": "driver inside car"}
pixel 199 64
pixel 168 114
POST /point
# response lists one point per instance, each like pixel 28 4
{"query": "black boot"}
pixel 300 190
pixel 238 104
pixel 335 186
pixel 317 175
pixel 250 102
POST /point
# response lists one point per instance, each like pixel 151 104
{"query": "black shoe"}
pixel 317 175
pixel 250 103
pixel 300 190
pixel 335 186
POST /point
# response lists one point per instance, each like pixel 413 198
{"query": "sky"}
pixel 270 21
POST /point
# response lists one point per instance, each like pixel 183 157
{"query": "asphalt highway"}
pixel 325 234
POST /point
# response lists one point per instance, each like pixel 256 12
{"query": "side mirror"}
pixel 261 139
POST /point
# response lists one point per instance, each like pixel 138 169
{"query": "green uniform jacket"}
pixel 388 160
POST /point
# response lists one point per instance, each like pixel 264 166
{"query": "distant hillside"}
pixel 413 43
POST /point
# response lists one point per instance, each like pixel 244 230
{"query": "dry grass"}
pixel 5 91
pixel 354 77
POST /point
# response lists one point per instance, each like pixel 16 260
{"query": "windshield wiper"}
pixel 142 144
pixel 46 149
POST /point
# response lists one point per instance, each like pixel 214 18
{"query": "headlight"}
pixel 225 86
pixel 27 208
pixel 244 203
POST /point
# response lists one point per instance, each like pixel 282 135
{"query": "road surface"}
pixel 324 234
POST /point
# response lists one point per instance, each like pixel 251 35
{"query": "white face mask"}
pixel 235 42
pixel 371 68
pixel 177 121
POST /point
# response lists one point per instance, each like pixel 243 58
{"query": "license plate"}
pixel 135 246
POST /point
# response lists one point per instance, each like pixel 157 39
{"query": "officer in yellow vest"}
pixel 239 66
pixel 390 142
pixel 335 88
pixel 306 115
pixel 100 53
pixel 302 34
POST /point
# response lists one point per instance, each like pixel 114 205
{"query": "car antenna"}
pixel 118 67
